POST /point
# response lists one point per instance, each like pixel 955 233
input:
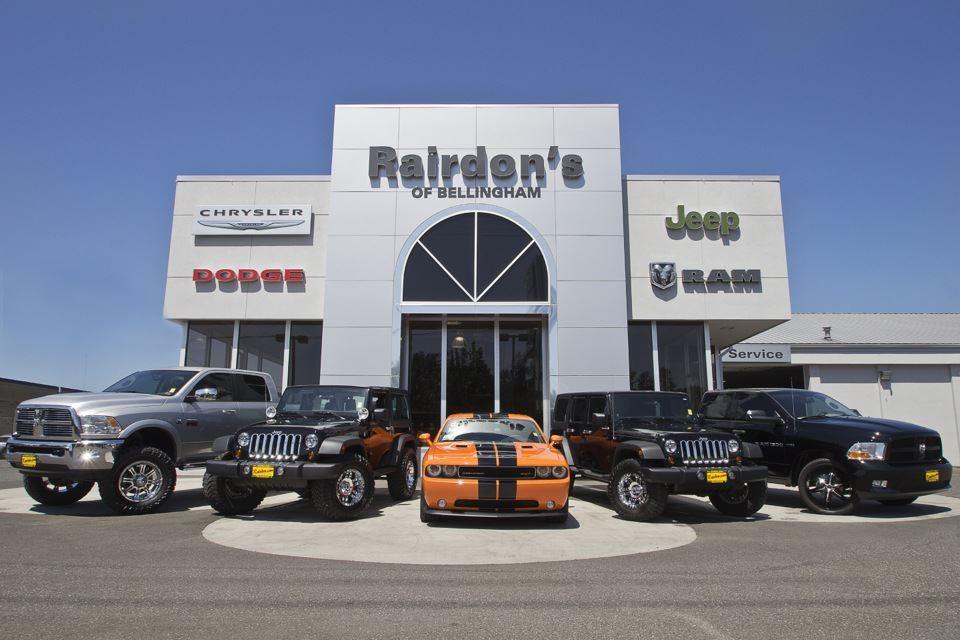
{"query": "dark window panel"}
pixel 680 347
pixel 521 369
pixel 306 340
pixel 424 375
pixel 251 388
pixel 209 344
pixel 640 344
pixel 526 280
pixel 451 241
pixel 222 382
pixel 469 366
pixel 499 240
pixel 260 348
pixel 425 281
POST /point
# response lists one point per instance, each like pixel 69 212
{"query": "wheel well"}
pixel 154 437
pixel 623 454
pixel 354 451
pixel 803 459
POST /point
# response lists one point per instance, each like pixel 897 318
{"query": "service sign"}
pixel 252 220
pixel 756 353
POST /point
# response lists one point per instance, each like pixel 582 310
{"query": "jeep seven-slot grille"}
pixel 703 452
pixel 54 423
pixel 275 446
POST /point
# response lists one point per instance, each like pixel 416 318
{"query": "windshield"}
pixel 341 400
pixel 810 404
pixel 158 383
pixel 491 430
pixel 656 407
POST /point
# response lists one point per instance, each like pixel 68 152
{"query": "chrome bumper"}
pixel 84 457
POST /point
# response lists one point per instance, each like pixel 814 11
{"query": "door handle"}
pixel 229 410
pixel 192 423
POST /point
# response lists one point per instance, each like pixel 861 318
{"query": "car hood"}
pixel 871 426
pixel 97 403
pixel 693 433
pixel 465 453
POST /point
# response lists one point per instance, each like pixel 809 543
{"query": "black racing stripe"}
pixel 486 454
pixel 506 457
pixel 487 489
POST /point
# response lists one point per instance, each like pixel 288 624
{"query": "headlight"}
pixel 311 441
pixel 543 472
pixel 559 472
pixel 450 471
pixel 99 425
pixel 243 439
pixel 733 445
pixel 670 446
pixel 433 470
pixel 867 451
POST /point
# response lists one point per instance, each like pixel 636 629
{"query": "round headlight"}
pixel 243 439
pixel 670 446
pixel 734 446
pixel 433 470
pixel 271 412
pixel 449 470
pixel 559 472
pixel 543 472
pixel 311 441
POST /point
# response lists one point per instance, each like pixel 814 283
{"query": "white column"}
pixel 496 365
pixel 282 384
pixel 719 364
pixel 443 369
pixel 545 375
pixel 706 354
pixel 656 356
pixel 236 341
pixel 183 345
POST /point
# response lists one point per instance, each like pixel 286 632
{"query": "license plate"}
pixel 262 471
pixel 716 477
pixel 933 476
pixel 28 460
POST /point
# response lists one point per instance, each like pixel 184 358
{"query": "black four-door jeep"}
pixel 327 443
pixel 646 445
pixel 835 456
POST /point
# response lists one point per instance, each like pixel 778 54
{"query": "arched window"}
pixel 475 257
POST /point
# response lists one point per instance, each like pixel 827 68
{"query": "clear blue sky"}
pixel 102 104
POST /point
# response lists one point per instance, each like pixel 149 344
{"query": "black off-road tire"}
pixel 324 493
pixel 228 499
pixel 398 482
pixel 642 509
pixel 110 490
pixel 899 502
pixel 424 516
pixel 816 467
pixel 55 492
pixel 305 494
pixel 741 502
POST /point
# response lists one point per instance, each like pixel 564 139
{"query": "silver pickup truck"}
pixel 130 438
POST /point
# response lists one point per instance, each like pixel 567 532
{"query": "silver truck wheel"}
pixel 143 479
pixel 55 492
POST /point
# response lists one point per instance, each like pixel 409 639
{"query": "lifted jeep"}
pixel 646 445
pixel 327 443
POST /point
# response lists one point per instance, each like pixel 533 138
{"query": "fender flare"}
pixel 751 450
pixel 638 448
pixel 152 423
pixel 336 445
pixel 221 445
pixel 399 443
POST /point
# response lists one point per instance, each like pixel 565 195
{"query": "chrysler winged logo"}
pixel 246 226
pixel 663 275
pixel 922 448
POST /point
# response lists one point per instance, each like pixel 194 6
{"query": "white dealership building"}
pixel 486 257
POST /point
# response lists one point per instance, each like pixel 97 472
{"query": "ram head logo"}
pixel 663 275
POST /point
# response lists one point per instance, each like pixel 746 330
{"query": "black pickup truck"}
pixel 835 456
pixel 646 445
pixel 327 443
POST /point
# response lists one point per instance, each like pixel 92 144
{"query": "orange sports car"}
pixel 493 465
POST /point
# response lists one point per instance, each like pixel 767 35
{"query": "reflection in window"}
pixel 305 343
pixel 424 375
pixel 640 345
pixel 469 367
pixel 521 369
pixel 260 347
pixel 209 344
pixel 680 346
pixel 475 257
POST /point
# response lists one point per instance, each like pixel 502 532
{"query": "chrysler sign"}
pixel 252 220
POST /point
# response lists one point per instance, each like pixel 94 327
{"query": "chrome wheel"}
pixel 350 488
pixel 410 474
pixel 60 486
pixel 829 489
pixel 140 481
pixel 632 490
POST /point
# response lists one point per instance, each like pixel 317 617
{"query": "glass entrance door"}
pixel 466 365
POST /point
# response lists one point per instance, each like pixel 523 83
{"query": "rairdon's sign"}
pixel 261 219
pixel 663 275
pixel 426 176
pixel 757 353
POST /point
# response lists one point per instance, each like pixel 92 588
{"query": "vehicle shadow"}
pixel 790 499
pixel 181 500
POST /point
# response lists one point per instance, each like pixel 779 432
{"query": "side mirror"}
pixel 598 419
pixel 379 416
pixel 206 394
pixel 556 441
pixel 424 439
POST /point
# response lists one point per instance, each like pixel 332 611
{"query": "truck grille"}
pixel 54 423
pixel 909 450
pixel 704 452
pixel 275 446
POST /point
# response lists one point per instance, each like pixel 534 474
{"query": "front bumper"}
pixel 495 498
pixel 884 481
pixel 285 474
pixel 694 479
pixel 79 460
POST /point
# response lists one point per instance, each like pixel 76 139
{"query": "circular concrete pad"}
pixel 592 531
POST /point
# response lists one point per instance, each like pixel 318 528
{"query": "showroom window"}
pixel 426 349
pixel 209 344
pixel 680 347
pixel 305 343
pixel 475 257
pixel 640 346
pixel 260 348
